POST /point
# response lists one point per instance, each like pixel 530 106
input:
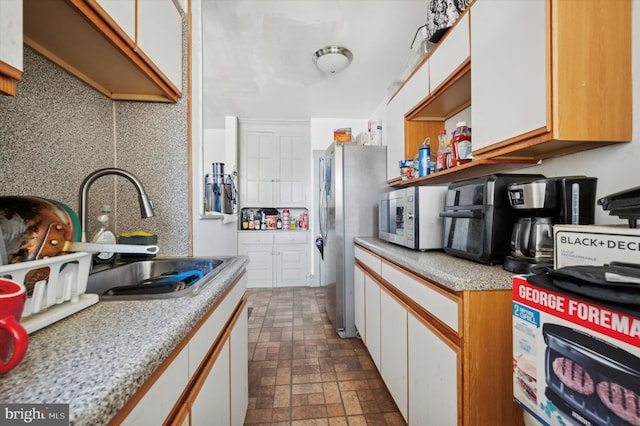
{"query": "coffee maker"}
pixel 539 205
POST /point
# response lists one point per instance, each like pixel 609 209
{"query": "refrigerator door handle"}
pixel 322 214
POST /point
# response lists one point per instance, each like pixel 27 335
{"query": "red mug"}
pixel 13 337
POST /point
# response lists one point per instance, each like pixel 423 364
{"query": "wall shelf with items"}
pixel 474 169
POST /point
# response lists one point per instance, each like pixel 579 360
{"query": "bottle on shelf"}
pixel 461 144
pixel 441 157
pixel 104 235
pixel 251 222
pixel 424 158
pixel 257 220
pixel 279 222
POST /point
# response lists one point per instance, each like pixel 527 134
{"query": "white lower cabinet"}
pixel 277 258
pixel 358 301
pixel 239 355
pixel 393 348
pixel 212 399
pixel 433 372
pixel 207 381
pixel 156 404
pixel 445 356
pixel 372 318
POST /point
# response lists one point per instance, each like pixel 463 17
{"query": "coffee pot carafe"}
pixel 540 204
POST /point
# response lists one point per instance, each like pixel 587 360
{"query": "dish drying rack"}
pixel 58 293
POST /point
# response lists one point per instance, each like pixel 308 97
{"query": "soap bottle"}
pixel 104 235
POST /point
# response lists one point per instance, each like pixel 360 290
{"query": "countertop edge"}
pixel 453 273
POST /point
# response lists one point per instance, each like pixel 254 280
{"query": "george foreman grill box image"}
pixel 576 359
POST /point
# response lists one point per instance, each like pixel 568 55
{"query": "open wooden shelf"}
pixel 474 169
pixel 448 99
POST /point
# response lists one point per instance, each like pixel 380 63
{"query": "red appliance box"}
pixel 575 361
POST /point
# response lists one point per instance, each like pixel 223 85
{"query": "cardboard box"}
pixel 572 356
pixel 342 135
pixel 595 245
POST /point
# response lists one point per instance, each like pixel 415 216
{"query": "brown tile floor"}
pixel 302 373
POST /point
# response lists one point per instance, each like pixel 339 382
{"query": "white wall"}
pixel 211 237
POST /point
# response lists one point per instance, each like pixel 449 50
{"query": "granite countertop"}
pixel 96 359
pixel 452 272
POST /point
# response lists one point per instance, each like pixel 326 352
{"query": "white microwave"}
pixel 411 218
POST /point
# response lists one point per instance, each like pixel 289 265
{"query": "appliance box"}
pixel 595 245
pixel 574 357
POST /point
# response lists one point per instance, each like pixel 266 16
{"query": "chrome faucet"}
pixel 146 206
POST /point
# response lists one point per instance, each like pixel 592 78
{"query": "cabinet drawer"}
pixel 450 54
pixel 291 238
pixel 256 237
pixel 444 307
pixel 368 259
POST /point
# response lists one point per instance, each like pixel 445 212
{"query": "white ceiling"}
pixel 257 59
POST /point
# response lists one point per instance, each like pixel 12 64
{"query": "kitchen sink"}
pixel 158 278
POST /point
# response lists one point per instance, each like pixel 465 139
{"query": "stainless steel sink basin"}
pixel 140 280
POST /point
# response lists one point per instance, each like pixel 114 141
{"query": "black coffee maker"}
pixel 539 205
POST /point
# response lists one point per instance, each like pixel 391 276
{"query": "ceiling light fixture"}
pixel 332 59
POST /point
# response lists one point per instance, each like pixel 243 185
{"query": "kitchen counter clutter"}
pixel 451 272
pixel 97 359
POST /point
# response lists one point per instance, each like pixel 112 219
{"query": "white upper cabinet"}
pixel 508 69
pixel 160 37
pixel 452 53
pixel 416 88
pixel 274 165
pixel 542 83
pixel 11 33
pixel 10 45
pixel 122 13
pixel 394 134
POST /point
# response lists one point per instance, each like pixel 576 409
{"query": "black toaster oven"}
pixel 478 218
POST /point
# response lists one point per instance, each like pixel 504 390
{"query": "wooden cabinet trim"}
pixel 10 71
pixel 485 313
pixel 9 77
pixel 141 392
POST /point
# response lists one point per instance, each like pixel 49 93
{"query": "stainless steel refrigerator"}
pixel 352 179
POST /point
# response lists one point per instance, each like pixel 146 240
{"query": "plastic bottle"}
pixel 461 144
pixel 441 159
pixel 424 158
pixel 104 235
